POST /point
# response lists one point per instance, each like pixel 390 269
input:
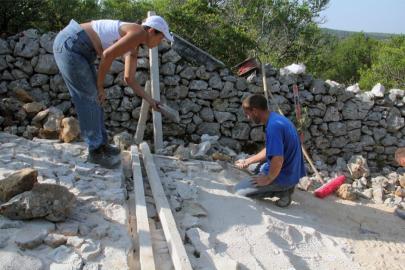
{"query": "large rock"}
pixel 33 108
pixel 27 47
pixel 394 120
pixel 123 140
pixel 318 87
pixel 208 128
pixel 171 56
pixel 207 114
pixel 198 85
pixel 224 116
pixel 358 167
pixel 54 119
pixel 188 73
pixel 39 117
pixel 17 183
pixel 346 192
pixel 70 129
pixel 13 260
pixel 357 108
pixel 4 47
pixel 216 82
pixel 46 64
pixel 116 67
pixel 228 90
pixel 23 96
pixel 46 41
pixel 179 91
pixel 208 95
pixel 187 105
pixel 35 235
pixel 241 131
pixel 378 90
pixel 257 134
pixel 49 201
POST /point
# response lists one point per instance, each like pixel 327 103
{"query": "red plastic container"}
pixel 330 187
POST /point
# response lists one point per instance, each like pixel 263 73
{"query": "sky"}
pixel 382 16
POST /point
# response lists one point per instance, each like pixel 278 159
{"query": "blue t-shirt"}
pixel 282 140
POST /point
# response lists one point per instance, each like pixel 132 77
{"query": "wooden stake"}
pixel 143 117
pixel 154 75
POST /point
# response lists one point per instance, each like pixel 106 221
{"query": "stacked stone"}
pixel 341 121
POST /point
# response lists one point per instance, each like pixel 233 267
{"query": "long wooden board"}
pixel 146 258
pixel 173 239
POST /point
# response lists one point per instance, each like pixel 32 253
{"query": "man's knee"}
pixel 244 187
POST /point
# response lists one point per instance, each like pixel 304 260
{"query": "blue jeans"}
pixel 245 188
pixel 75 55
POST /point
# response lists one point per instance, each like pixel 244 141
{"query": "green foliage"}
pixel 388 65
pixel 204 26
pixel 16 15
pixel 284 31
pixel 125 10
pixel 56 14
pixel 347 57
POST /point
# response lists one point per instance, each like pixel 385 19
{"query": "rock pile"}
pixel 78 209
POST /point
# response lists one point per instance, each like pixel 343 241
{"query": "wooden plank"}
pixel 142 224
pixel 174 242
pixel 154 76
pixel 143 117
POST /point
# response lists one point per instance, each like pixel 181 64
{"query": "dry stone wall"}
pixel 341 121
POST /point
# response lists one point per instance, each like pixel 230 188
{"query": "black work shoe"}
pixel 285 198
pixel 111 150
pixel 99 156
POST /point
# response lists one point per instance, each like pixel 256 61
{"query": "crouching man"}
pixel 283 159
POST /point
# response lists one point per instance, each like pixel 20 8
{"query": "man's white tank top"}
pixel 107 30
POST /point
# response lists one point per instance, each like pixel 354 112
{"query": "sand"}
pixel 312 233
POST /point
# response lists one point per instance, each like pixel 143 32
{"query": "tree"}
pixel 388 65
pixel 126 10
pixel 348 57
pixel 204 25
pixel 16 15
pixel 56 14
pixel 283 31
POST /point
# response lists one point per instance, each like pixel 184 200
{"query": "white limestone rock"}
pixel 55 240
pixel 355 88
pixel 11 260
pixel 33 234
pixel 90 249
pixel 378 90
pixel 64 256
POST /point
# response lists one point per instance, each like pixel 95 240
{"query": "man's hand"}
pixel 101 96
pixel 241 163
pixel 154 104
pixel 260 180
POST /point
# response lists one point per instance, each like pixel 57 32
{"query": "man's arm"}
pixel 243 163
pixel 276 164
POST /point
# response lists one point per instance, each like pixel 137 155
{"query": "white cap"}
pixel 158 23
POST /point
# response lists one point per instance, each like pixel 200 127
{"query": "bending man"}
pixel 284 163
